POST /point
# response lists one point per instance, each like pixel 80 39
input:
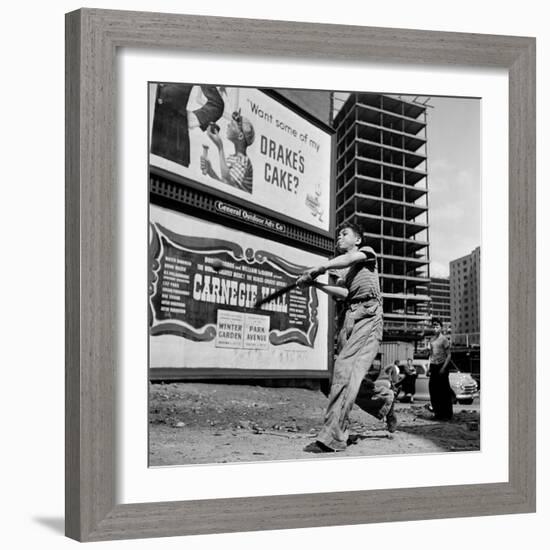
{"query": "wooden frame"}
pixel 92 39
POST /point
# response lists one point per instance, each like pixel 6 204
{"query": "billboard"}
pixel 244 143
pixel 204 281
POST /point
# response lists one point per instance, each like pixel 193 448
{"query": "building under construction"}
pixel 382 185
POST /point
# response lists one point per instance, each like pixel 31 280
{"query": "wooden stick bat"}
pixel 274 295
pixel 283 290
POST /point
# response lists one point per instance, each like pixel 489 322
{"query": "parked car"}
pixel 464 387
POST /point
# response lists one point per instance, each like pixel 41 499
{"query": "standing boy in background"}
pixel 441 394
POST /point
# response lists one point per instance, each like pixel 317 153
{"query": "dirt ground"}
pixel 199 423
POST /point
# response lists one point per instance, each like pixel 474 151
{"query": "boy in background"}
pixel 441 394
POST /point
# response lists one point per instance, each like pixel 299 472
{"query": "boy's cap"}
pixel 248 131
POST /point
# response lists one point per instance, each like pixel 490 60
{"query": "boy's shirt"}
pixel 438 349
pixel 240 169
pixel 361 279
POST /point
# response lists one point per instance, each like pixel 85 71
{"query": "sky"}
pixel 454 180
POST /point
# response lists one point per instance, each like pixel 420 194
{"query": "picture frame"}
pixel 92 39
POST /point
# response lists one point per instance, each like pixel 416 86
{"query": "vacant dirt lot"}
pixel 197 423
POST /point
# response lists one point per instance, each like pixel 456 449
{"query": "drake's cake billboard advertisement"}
pixel 204 282
pixel 244 143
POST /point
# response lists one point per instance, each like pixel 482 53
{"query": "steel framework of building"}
pixel 382 185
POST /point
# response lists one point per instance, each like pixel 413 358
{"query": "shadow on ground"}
pixel 459 434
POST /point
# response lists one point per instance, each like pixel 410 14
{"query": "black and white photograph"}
pixel 314 284
pixel 271 274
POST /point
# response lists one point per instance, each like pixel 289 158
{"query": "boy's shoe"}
pixel 317 447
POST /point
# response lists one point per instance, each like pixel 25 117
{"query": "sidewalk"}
pixel 198 423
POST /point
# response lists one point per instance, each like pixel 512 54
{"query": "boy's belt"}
pixel 363 300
